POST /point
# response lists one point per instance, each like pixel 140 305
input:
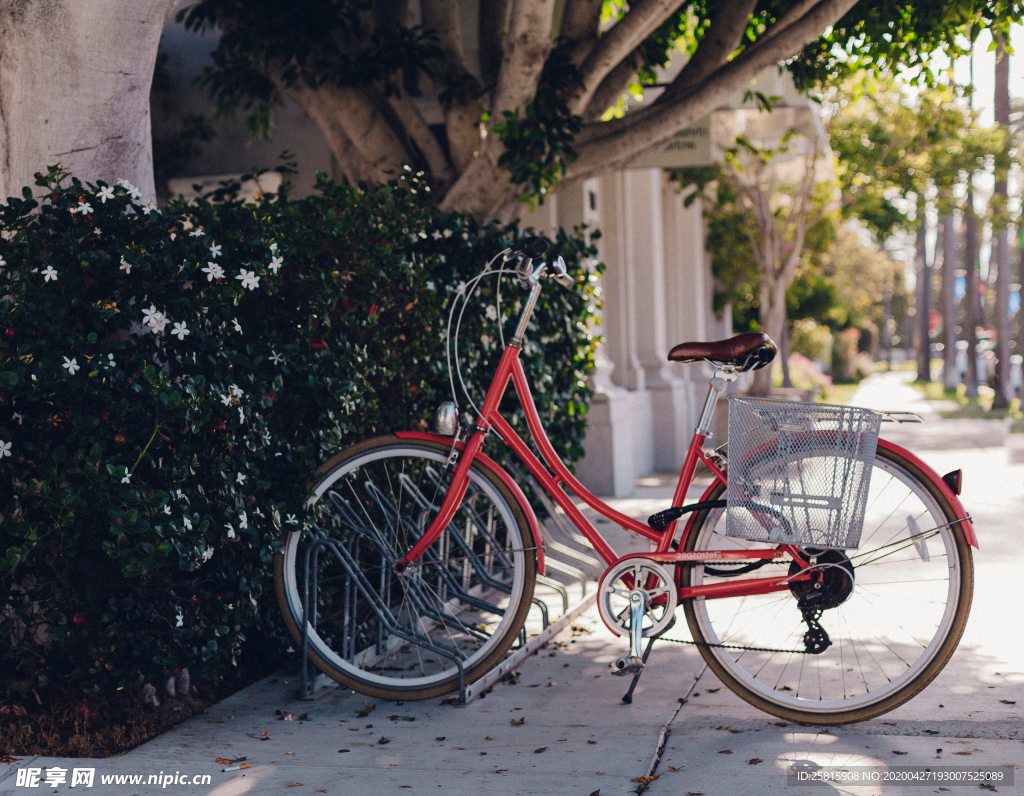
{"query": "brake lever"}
pixel 561 276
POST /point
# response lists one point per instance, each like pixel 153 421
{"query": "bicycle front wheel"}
pixel 404 636
pixel 898 606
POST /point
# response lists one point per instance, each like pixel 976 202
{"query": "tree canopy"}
pixel 390 87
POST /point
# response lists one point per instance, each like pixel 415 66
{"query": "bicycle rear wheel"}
pixel 399 636
pixel 893 625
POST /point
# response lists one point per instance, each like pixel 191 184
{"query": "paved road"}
pixel 578 737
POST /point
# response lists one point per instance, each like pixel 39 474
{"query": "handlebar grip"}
pixel 532 247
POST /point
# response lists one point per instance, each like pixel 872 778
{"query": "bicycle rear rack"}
pixel 575 592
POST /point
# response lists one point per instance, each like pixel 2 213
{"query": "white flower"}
pixel 154 319
pixel 241 415
pixel 292 520
pixel 447 233
pixel 243 520
pixel 275 264
pixel 273 247
pixel 207 554
pixel 180 329
pixel 104 193
pixel 72 366
pixel 188 522
pixel 213 271
pixel 249 279
pixel 225 399
pixel 127 478
pixel 126 266
pixel 180 619
pixel 231 531
pixel 149 207
pixel 167 509
pixel 238 326
pixel 197 233
pixel 5 449
pixel 97 231
pixel 49 273
pixel 3 261
pixel 110 361
pixel 240 477
pixel 436 235
pixel 84 207
pixel 214 251
pixel 236 391
pixel 276 358
pixel 431 285
pixel 491 313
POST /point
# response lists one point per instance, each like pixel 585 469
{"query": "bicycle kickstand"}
pixel 628 698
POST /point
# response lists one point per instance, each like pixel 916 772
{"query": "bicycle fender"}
pixel 506 479
pixel 950 495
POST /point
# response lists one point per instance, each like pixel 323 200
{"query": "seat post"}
pixel 723 376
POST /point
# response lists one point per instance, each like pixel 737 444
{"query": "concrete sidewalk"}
pixel 578 737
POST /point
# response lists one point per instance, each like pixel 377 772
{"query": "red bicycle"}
pixel 426 553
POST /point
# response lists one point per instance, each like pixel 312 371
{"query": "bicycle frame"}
pixel 511 369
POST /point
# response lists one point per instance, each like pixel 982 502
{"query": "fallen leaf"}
pixel 1008 701
pixel 694 793
pixel 408 718
pixel 459 748
pixel 263 736
pixel 645 779
pixel 540 749
pixel 725 752
pixel 899 753
pixel 735 732
pixel 754 761
pixel 383 741
pixel 785 688
pixel 781 723
pixel 932 732
pixel 591 742
pixel 290 753
pixel 321 790
pixel 9 759
pixel 295 784
pixel 288 717
pixel 552 684
pixel 943 788
pixel 488 738
pixel 225 762
pixel 367 710
pixel 712 690
pixel 215 721
pixel 439 738
pixel 342 751
pixel 596 792
pixel 20 711
pixel 518 722
pixel 675 768
pixel 723 727
pixel 353 729
pixel 405 786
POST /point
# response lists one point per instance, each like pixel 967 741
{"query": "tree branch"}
pixel 720 41
pixel 420 134
pixel 617 143
pixel 608 93
pixel 462 107
pixel 640 21
pixel 581 21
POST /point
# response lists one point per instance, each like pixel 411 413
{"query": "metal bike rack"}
pixel 562 555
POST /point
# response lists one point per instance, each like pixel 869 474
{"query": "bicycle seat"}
pixel 746 351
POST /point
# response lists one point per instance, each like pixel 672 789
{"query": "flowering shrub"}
pixel 170 378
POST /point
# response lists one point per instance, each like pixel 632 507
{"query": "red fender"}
pixel 506 479
pixel 950 495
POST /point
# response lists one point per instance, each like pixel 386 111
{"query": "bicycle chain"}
pixel 736 646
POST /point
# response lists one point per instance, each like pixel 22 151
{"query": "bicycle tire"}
pixel 785 702
pixel 510 528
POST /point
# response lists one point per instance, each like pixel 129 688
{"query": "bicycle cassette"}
pixel 651 578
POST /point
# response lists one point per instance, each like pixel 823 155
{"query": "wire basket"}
pixel 799 472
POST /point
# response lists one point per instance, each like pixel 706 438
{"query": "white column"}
pixel 608 466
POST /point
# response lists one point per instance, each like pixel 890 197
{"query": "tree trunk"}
pixel 772 316
pixel 924 276
pixel 949 375
pixel 1001 253
pixel 971 303
pixel 74 89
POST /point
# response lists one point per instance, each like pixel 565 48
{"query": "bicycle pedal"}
pixel 626 666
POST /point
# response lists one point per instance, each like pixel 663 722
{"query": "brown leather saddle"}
pixel 745 351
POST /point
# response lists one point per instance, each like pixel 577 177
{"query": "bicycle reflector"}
pixel 446 419
pixel 953 480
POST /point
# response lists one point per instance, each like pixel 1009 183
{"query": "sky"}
pixel 984 71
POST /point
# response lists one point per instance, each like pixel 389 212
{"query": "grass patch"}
pixel 841 394
pixel 960 407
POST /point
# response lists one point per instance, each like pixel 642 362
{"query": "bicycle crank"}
pixel 636 598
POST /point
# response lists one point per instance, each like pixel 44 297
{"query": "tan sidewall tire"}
pixel 907 692
pixel 292 622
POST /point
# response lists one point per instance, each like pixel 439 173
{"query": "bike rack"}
pixel 562 555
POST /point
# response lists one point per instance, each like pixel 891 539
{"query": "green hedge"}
pixel 170 378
